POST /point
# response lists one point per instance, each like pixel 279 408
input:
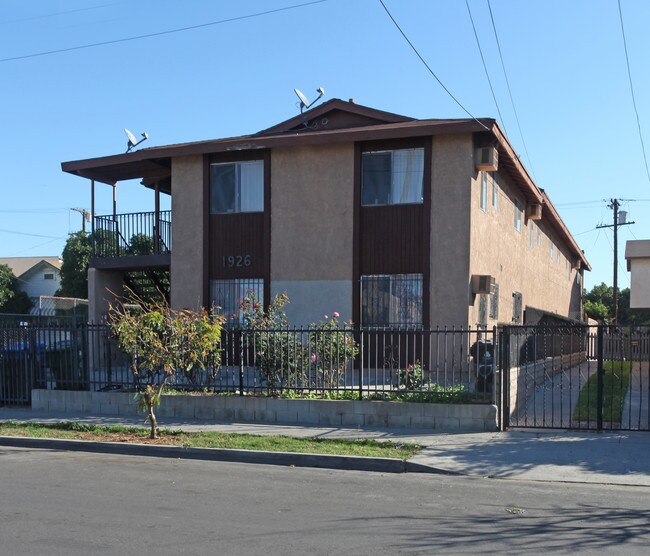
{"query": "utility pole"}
pixel 614 205
pixel 85 217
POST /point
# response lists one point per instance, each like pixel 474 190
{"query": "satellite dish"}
pixel 304 103
pixel 132 141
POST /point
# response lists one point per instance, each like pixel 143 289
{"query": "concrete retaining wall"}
pixel 362 413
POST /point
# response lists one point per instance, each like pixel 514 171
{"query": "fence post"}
pixel 504 367
pixel 360 363
pixel 601 376
pixel 241 361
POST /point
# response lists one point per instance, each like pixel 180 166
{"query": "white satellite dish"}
pixel 304 103
pixel 303 99
pixel 132 140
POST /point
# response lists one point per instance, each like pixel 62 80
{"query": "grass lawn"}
pixel 616 381
pixel 78 431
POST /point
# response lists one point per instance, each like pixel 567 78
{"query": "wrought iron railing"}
pixel 132 234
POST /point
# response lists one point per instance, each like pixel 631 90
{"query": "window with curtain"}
pixel 391 300
pixel 237 187
pixel 392 177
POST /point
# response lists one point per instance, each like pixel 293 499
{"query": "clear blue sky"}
pixel 565 62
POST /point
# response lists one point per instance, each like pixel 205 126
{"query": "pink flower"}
pixel 335 315
pixel 325 317
pixel 347 339
pixel 313 358
pixel 254 305
pixel 250 290
pixel 234 315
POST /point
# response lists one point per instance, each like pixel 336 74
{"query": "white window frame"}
pixel 249 197
pixel 407 197
pixel 518 211
pixel 495 190
pixel 483 198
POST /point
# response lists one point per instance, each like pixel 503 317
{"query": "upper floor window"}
pixel 484 191
pixel 48 276
pixel 495 190
pixel 392 177
pixel 237 187
pixel 517 215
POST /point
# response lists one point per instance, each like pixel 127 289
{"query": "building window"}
pixel 48 276
pixel 517 215
pixel 494 303
pixel 550 248
pixel 539 237
pixel 392 177
pixel 237 187
pixel 391 300
pixel 517 306
pixel 226 296
pixel 483 191
pixel 495 190
pixel 532 234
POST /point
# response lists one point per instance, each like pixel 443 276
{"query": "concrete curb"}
pixel 324 461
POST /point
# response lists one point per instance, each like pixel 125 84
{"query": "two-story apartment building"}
pixel 386 219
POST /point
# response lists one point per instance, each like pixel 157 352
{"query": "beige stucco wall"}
pixel 187 232
pixel 312 205
pixel 103 288
pixel 498 249
pixel 452 173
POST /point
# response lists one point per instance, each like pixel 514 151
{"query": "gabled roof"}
pixel 335 114
pixel 23 265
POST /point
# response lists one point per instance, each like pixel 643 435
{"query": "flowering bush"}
pixel 332 348
pixel 278 356
pixel 411 378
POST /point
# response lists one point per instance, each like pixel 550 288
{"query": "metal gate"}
pixel 575 377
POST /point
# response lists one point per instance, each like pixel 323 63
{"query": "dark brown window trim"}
pixel 237 156
pixel 393 144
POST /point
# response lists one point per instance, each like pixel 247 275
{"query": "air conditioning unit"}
pixel 487 159
pixel 576 264
pixel 534 212
pixel 482 283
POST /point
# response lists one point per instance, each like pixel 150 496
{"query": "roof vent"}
pixel 352 101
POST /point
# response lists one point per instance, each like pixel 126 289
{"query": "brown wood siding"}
pixel 240 236
pixel 391 239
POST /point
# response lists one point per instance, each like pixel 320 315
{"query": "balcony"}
pixel 137 240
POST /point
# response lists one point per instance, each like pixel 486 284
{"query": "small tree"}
pixel 162 342
pixel 74 270
pixel 12 299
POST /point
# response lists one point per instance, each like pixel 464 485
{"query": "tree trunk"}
pixel 152 420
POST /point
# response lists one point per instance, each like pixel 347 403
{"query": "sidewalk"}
pixel 557 456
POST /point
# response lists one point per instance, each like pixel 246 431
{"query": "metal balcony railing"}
pixel 132 234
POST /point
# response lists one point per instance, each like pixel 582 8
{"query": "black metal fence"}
pixel 419 365
pixel 580 377
pixel 577 377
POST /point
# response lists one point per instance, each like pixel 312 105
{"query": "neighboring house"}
pixel 37 276
pixel 386 219
pixel 637 254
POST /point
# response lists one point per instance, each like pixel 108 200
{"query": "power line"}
pixel 629 75
pixel 28 234
pixel 505 73
pixel 160 33
pixel 487 74
pixel 428 67
pixel 54 14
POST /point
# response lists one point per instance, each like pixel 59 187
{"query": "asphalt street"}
pixel 74 503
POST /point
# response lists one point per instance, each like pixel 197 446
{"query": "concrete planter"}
pixel 328 413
